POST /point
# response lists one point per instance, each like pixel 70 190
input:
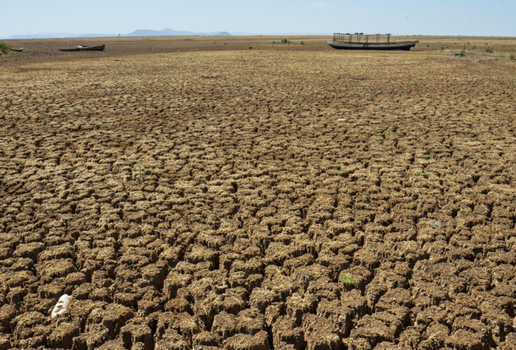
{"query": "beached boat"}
pixel 85 48
pixel 16 50
pixel 361 41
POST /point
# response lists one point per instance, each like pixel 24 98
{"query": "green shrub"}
pixel 512 57
pixel 462 52
pixel 489 49
pixel 4 48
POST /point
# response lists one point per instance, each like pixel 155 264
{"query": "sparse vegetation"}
pixel 139 172
pixel 489 49
pixel 4 48
pixel 286 42
pixel 368 96
pixel 462 53
pixel 512 57
pixel 348 279
pixel 424 174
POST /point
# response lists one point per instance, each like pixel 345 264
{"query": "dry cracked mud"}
pixel 293 197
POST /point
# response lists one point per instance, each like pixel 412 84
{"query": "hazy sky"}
pixel 403 17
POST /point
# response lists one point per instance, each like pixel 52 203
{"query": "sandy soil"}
pixel 231 193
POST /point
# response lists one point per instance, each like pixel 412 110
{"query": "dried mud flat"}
pixel 275 198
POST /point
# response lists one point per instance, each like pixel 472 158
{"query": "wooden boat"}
pixel 85 48
pixel 361 41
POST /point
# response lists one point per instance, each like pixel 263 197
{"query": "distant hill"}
pixel 139 32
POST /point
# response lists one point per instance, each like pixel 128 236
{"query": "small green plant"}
pixel 489 49
pixel 424 174
pixel 348 279
pixel 139 172
pixel 368 96
pixel 4 48
pixel 413 81
pixel 412 206
pixel 302 43
pixel 512 57
pixel 441 48
pixel 293 102
pixel 469 277
pixel 462 53
pixel 339 173
pixel 427 156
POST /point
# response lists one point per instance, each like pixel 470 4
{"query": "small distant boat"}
pixel 85 48
pixel 16 50
pixel 361 41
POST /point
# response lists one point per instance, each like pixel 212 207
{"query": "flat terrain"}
pixel 234 193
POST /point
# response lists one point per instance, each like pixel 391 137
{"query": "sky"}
pixel 403 17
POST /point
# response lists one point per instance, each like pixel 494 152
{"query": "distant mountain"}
pixel 139 32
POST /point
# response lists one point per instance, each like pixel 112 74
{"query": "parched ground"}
pixel 195 193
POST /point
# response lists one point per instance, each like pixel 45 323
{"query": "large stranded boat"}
pixel 361 41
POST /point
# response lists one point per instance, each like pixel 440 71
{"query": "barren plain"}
pixel 234 193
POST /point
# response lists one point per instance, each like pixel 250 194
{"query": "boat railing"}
pixel 360 37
